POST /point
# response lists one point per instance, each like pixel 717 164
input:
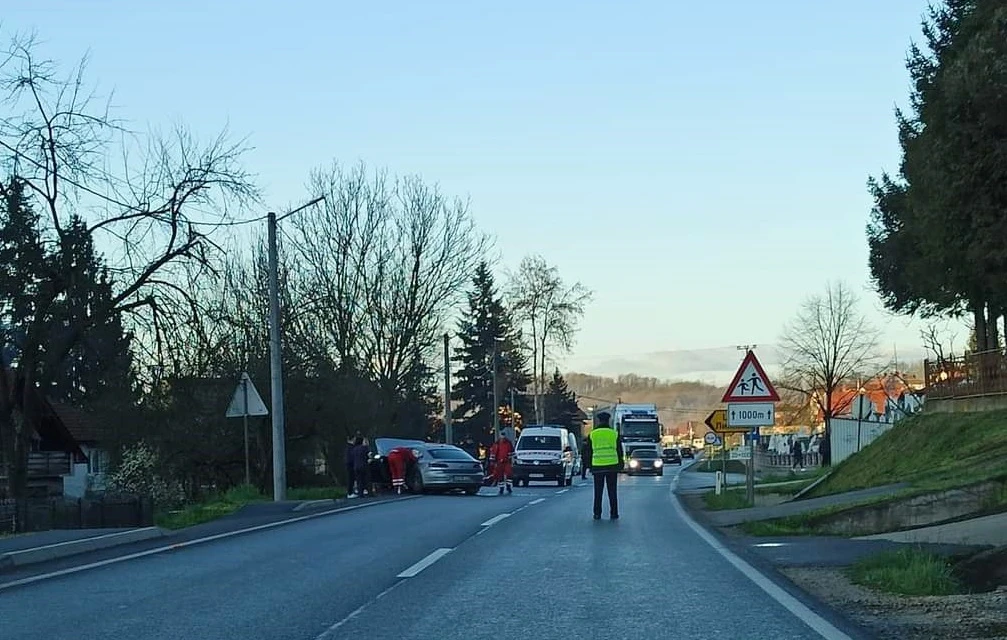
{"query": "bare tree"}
pixel 384 263
pixel 63 146
pixel 938 342
pixel 828 342
pixel 549 310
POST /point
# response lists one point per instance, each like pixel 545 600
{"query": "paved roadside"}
pixel 47 551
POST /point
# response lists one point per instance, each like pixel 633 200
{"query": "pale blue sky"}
pixel 701 168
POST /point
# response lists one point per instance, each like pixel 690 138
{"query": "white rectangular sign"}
pixel 751 414
pixel 741 453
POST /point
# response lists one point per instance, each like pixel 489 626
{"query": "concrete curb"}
pixel 75 547
pixel 317 504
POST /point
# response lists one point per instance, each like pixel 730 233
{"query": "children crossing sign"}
pixel 750 383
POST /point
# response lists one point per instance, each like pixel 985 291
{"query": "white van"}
pixel 544 454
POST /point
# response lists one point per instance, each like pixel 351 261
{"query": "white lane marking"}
pixel 559 493
pixel 190 543
pixel 495 519
pixel 329 633
pixel 433 557
pixel 540 500
pixel 822 626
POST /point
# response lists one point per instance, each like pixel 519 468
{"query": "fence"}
pixel 975 374
pixel 850 435
pixel 769 461
pixel 42 514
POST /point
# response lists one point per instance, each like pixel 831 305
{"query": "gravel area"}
pixel 890 617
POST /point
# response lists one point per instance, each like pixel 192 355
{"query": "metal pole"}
pixel 496 401
pixel 244 419
pixel 750 476
pixel 448 427
pixel 276 369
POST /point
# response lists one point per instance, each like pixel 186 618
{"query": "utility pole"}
pixel 276 358
pixel 276 369
pixel 496 401
pixel 448 427
pixel 750 471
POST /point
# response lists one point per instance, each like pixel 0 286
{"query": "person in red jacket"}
pixel 400 459
pixel 500 457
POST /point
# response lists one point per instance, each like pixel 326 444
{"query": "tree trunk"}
pixel 992 328
pixel 979 318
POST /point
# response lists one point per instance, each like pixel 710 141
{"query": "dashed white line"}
pixel 329 633
pixel 559 493
pixel 537 501
pixel 822 626
pixel 433 557
pixel 495 519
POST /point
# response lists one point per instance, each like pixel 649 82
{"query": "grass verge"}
pixel 908 572
pixel 710 466
pixel 931 451
pixel 780 527
pixel 230 501
pixel 732 499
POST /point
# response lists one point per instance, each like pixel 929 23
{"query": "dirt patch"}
pixel 964 617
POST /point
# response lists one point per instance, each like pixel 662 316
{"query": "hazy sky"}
pixel 701 168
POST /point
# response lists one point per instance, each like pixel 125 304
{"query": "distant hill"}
pixel 678 402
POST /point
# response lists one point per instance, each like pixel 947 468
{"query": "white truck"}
pixel 638 424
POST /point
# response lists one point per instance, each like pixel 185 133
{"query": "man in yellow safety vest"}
pixel 604 454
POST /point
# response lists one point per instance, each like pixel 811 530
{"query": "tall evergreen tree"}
pixel 561 404
pixel 23 268
pixel 486 329
pixel 96 367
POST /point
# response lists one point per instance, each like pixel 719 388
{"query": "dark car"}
pixel 687 452
pixel 645 461
pixel 671 456
pixel 380 474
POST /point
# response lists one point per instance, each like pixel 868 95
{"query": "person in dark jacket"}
pixel 361 453
pixel 585 460
pixel 604 453
pixel 351 473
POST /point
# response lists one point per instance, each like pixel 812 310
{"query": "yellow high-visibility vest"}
pixel 604 447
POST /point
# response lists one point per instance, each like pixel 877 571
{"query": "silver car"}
pixel 445 467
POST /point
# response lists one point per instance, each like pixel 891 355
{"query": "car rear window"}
pixel 449 454
pixel 539 443
pixel 645 453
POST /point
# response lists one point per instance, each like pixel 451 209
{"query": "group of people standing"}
pixel 358 467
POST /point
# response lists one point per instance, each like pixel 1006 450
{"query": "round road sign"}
pixel 710 438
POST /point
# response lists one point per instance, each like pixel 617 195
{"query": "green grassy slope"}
pixel 931 451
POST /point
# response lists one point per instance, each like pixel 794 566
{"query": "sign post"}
pixel 240 408
pixel 750 402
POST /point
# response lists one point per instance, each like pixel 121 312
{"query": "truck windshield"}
pixel 641 430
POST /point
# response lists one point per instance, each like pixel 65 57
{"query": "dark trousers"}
pixel 362 483
pixel 350 479
pixel 610 478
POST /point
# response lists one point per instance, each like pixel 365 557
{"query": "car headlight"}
pixel 658 463
pixel 634 463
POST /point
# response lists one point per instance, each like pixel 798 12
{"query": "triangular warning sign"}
pixel 237 408
pixel 751 384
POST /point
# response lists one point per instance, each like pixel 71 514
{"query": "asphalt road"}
pixel 532 565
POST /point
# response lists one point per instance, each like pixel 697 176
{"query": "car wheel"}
pixel 562 481
pixel 417 483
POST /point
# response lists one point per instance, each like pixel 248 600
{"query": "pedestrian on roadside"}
pixel 400 460
pixel 797 452
pixel 361 455
pixel 604 451
pixel 350 469
pixel 500 457
pixel 585 461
